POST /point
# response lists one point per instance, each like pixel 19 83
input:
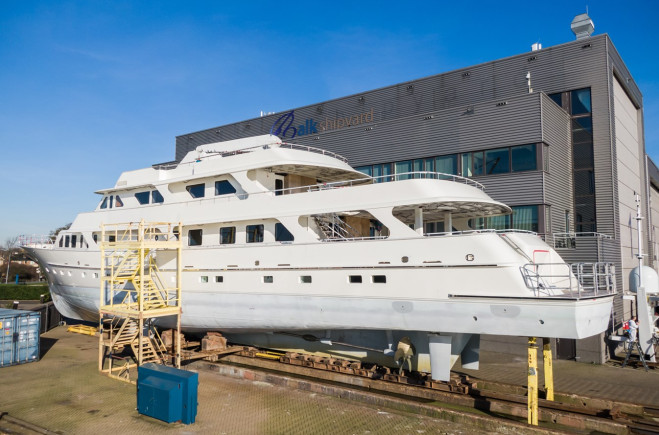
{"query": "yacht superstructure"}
pixel 289 247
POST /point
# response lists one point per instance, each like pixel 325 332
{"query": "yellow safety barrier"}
pixel 82 329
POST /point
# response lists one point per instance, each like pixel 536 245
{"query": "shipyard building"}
pixel 556 133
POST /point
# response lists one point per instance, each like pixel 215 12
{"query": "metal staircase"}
pixel 334 227
pixel 133 296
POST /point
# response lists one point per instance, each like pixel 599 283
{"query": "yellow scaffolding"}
pixel 133 294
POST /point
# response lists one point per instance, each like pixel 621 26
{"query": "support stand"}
pixel 549 369
pixel 533 382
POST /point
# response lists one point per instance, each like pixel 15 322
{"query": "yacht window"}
pixel 355 279
pixel 196 190
pixel 95 238
pixel 279 186
pixel 67 240
pixel 142 197
pixel 118 202
pixel 282 234
pixel 104 203
pixel 112 239
pixel 204 278
pixel 224 188
pixel 111 201
pixel 227 235
pixel 254 233
pixel 156 197
pixel 74 241
pixel 194 237
pixel 305 279
pixel 219 278
pixel 268 279
pixel 61 241
pixel 379 279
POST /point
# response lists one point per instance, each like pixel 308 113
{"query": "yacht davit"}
pixel 288 247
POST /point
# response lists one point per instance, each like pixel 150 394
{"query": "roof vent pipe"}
pixel 537 46
pixel 582 26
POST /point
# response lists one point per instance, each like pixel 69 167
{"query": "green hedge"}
pixel 24 292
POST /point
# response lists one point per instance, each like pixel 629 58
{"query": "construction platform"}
pixel 65 393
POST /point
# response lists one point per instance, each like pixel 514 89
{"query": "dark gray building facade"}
pixel 555 133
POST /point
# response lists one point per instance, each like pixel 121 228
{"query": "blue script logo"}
pixel 284 128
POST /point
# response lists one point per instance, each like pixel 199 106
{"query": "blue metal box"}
pixel 19 336
pixel 166 393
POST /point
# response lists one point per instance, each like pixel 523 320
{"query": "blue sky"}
pixel 90 89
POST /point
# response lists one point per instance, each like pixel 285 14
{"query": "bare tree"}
pixel 10 245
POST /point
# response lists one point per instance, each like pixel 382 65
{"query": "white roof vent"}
pixel 582 26
pixel 537 46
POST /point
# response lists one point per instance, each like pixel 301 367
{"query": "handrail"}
pixel 488 230
pixel 34 240
pixel 575 281
pixel 288 145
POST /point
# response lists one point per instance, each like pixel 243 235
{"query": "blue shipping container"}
pixel 19 336
pixel 166 393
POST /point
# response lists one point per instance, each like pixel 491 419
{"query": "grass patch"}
pixel 25 292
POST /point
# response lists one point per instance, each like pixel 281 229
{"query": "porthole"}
pixel 203 279
pixel 355 279
pixel 219 279
pixel 379 279
pixel 268 279
pixel 305 279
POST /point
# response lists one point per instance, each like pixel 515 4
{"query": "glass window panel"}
pixel 104 204
pixel 466 165
pixel 584 182
pixel 142 197
pixel 499 222
pixel 111 200
pixel 382 171
pixel 418 165
pixel 196 190
pixel 582 130
pixel 583 155
pixel 403 168
pixel 67 241
pixel 224 188
pixel 74 240
pixel 477 168
pixel 282 234
pixel 227 235
pixel 156 197
pixel 368 170
pixel 497 161
pixel 254 233
pixel 430 165
pixel 525 218
pixel 524 158
pixel 118 202
pixel 580 101
pixel 194 237
pixel 447 164
pixel 558 98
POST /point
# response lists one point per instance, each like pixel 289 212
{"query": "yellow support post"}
pixel 549 369
pixel 533 382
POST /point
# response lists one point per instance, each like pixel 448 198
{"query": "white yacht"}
pixel 288 247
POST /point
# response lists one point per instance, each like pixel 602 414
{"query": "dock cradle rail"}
pixel 133 295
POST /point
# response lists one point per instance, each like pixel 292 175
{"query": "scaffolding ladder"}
pixel 134 295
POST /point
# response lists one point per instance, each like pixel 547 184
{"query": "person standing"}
pixel 633 327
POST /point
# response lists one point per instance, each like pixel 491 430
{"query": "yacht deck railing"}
pixel 574 281
pixel 36 241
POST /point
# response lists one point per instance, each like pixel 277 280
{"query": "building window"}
pixel 282 234
pixel 223 187
pixel 497 161
pixel 194 237
pixel 524 158
pixel 227 235
pixel 156 197
pixel 525 218
pixel 254 233
pixel 447 164
pixel 382 171
pixel 580 101
pixel 478 163
pixel 557 98
pixel 305 279
pixel 142 197
pixel 403 168
pixel 196 190
pixel 368 170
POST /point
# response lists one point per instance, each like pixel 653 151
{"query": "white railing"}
pixel 492 231
pixel 36 241
pixel 569 240
pixel 576 281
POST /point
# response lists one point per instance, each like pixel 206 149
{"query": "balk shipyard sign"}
pixel 285 127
